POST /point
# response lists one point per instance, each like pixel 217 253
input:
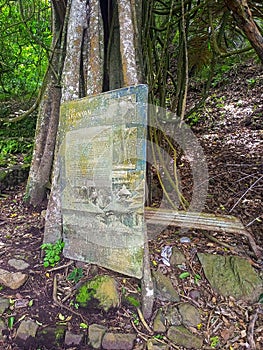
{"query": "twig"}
pixel 61 267
pixel 143 321
pixel 250 330
pixel 58 303
pixel 261 177
pixel 144 336
pixel 213 239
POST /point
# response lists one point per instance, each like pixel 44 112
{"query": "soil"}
pixel 230 131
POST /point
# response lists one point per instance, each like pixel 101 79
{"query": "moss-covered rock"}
pixel 101 288
pixel 232 276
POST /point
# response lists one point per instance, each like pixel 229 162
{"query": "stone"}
pixel 154 344
pixel 12 280
pixel 102 153
pixel 232 276
pixel 164 288
pixel 177 257
pixel 103 288
pixel 190 314
pixel 194 294
pixel 18 264
pixel 118 341
pixel 96 333
pixel 159 322
pixel 53 336
pixel 4 304
pixel 27 328
pixel 73 339
pixel 173 317
pixel 183 337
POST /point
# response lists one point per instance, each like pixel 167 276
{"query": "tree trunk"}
pixel 47 123
pixel 243 16
pixel 72 81
pixel 83 69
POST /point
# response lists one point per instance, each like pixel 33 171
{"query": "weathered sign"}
pixel 103 160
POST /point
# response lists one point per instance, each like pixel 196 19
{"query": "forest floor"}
pixel 230 131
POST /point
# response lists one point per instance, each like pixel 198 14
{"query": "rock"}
pixel 2 328
pixel 159 322
pixel 103 289
pixel 27 328
pixel 73 339
pixel 18 264
pixel 164 287
pixel 177 257
pixel 190 315
pixel 96 333
pixel 182 337
pixel 53 336
pixel 232 276
pixel 118 341
pixel 153 344
pixel 4 304
pixel 12 280
pixel 194 294
pixel 173 317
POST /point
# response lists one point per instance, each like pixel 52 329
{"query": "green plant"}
pixel 214 341
pixel 186 274
pixel 133 301
pixel 72 303
pixel 52 252
pixel 193 118
pixel 135 319
pixel 158 336
pixel 197 278
pixel 76 275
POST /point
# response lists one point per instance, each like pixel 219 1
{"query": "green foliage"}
pixel 193 118
pixel 83 325
pixel 135 319
pixel 85 294
pixel 25 38
pixel 133 301
pixel 9 148
pixel 102 288
pixel 52 253
pixel 214 341
pixel 76 275
pixel 186 274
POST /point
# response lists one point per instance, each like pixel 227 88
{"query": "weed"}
pixel 76 275
pixel 214 341
pixel 135 319
pixel 193 118
pixel 52 252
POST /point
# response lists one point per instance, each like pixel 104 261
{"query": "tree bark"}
pixel 47 123
pixel 71 80
pixel 243 16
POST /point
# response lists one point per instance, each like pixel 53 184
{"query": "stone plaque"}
pixel 103 161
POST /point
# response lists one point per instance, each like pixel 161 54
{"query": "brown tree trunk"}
pixel 47 123
pixel 243 16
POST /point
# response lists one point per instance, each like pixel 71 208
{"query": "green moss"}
pixel 101 288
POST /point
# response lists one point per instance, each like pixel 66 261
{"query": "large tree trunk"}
pixel 243 16
pixel 83 69
pixel 47 123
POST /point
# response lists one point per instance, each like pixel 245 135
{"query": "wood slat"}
pixel 203 221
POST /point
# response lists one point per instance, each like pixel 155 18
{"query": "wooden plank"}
pixel 191 220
